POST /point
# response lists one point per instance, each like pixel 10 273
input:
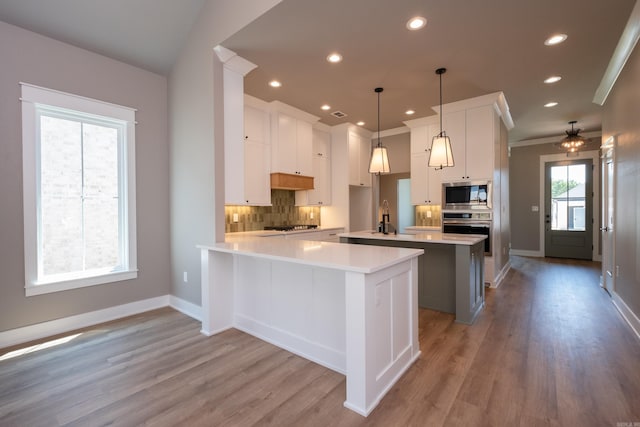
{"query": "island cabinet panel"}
pixel 450 275
pixel 351 309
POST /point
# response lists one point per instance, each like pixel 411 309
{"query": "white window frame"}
pixel 34 100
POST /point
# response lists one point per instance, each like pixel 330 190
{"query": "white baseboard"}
pixel 627 314
pixel 186 307
pixel 520 252
pixel 53 327
pixel 501 275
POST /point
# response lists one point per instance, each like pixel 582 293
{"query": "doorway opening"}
pixel 569 209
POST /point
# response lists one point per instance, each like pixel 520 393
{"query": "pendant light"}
pixel 379 163
pixel 440 155
pixel 573 141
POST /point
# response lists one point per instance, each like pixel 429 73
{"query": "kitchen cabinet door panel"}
pixel 454 125
pixel 480 142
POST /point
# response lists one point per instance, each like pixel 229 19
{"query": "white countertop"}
pixel 341 256
pixel 243 235
pixel 425 237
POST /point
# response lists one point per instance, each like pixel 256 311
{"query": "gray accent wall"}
pixel 524 192
pixel 620 120
pixel 196 133
pixel 31 58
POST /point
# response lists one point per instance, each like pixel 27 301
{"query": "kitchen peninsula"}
pixel 351 308
pixel 450 271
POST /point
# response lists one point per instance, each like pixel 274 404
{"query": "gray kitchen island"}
pixel 450 272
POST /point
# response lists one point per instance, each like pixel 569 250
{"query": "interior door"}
pixel 607 220
pixel 568 209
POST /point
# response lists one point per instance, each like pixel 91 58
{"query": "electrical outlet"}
pixel 184 277
pixel 617 271
pixel 428 214
pixel 235 219
pixel 311 214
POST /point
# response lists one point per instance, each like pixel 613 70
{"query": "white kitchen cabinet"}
pixel 426 187
pixel 321 170
pixel 471 132
pixel 291 140
pixel 247 154
pixel 359 153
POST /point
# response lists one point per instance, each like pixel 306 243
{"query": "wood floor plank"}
pixel 549 349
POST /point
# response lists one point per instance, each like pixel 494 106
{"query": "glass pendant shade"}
pixel 379 162
pixel 441 155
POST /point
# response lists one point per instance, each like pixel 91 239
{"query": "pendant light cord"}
pixel 379 143
pixel 440 104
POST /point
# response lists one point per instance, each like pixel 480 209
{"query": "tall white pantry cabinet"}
pixel 478 130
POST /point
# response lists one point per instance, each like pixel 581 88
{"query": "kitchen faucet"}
pixel 385 225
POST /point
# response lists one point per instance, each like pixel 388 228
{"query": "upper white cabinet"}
pixel 291 140
pixel 321 170
pixel 248 158
pixel 426 188
pixel 359 153
pixel 257 157
pixel 473 127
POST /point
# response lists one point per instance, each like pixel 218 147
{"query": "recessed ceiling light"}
pixel 409 112
pixel 552 79
pixel 275 83
pixel 550 104
pixel 555 39
pixel 326 107
pixel 360 123
pixel 416 23
pixel 334 57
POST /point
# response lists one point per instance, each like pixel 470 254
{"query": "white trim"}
pixel 41 95
pixel 625 46
pixel 65 285
pixel 66 324
pixel 501 275
pixel 626 313
pixel 521 252
pixel 37 101
pixel 595 186
pixel 496 99
pixel 186 307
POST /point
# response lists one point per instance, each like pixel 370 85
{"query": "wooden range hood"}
pixel 288 181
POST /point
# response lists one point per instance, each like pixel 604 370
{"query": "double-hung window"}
pixel 79 191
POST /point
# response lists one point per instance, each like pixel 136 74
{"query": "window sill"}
pixel 65 285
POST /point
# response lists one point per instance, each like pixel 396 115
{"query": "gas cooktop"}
pixel 291 227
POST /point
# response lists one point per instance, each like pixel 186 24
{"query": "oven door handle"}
pixel 470 224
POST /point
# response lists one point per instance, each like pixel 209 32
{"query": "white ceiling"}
pixel 487 46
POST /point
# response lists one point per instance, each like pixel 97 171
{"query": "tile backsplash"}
pixel 422 216
pixel 282 212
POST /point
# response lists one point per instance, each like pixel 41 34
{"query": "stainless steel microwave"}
pixel 467 195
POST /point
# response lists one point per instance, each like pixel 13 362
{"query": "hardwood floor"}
pixel 548 349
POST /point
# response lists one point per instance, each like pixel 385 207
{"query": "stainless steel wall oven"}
pixel 476 222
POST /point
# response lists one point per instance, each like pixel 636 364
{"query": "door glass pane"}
pixel 568 197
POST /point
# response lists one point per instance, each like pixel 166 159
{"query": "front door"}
pixel 568 209
pixel 607 220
